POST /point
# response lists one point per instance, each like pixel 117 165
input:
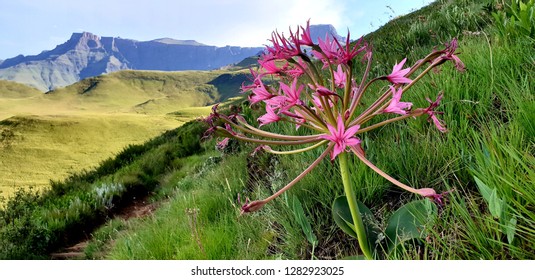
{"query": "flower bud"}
pixel 252 206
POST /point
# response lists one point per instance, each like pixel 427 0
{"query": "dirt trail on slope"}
pixel 137 209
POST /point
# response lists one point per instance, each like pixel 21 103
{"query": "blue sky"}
pixel 29 26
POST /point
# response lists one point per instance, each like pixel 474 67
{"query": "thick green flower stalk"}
pixel 330 107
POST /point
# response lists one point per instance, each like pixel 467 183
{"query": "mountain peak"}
pixel 322 30
pixel 86 40
pixel 84 34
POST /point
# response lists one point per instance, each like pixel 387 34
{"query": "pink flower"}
pixel 270 67
pixel 317 103
pixel 296 47
pixel 282 47
pixel 449 54
pixel 269 117
pixel 260 93
pixel 256 81
pixel 432 114
pixel 299 119
pixel 395 105
pixel 340 77
pixel 229 129
pixel 252 206
pixel 323 91
pixel 274 52
pixel 329 51
pixel 222 144
pixel 438 123
pixel 398 76
pixel 346 54
pixel 296 71
pixel 292 94
pixel 341 136
pixel 277 102
pixel 305 37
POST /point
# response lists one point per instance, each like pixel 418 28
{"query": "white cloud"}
pixel 258 20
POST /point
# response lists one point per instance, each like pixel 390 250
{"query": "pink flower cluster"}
pixel 321 92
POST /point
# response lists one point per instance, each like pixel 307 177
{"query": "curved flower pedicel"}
pixel 329 107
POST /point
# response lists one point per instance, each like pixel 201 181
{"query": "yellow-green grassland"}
pixel 47 136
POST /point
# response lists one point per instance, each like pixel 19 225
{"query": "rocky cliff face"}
pixel 322 30
pixel 86 55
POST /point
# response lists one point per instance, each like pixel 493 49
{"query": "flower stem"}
pixel 371 127
pixel 353 207
pixel 270 142
pixel 269 150
pixel 386 176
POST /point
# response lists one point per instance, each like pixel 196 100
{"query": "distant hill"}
pixel 126 91
pixel 87 55
pixel 9 89
pixel 154 92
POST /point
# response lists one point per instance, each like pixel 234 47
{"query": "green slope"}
pixel 13 90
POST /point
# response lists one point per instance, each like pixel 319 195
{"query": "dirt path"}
pixel 138 209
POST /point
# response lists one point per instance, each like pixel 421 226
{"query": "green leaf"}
pixel 483 189
pixel 523 6
pixel 410 222
pixel 342 217
pixel 302 220
pixel 511 229
pixel 495 204
pixel 490 195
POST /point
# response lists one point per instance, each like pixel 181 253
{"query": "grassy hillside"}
pixel 14 90
pixel 49 136
pixel 485 162
pixel 37 149
pixel 147 92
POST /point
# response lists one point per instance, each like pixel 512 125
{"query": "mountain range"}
pixel 87 55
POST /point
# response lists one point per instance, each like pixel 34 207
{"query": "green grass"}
pixel 198 222
pixel 145 92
